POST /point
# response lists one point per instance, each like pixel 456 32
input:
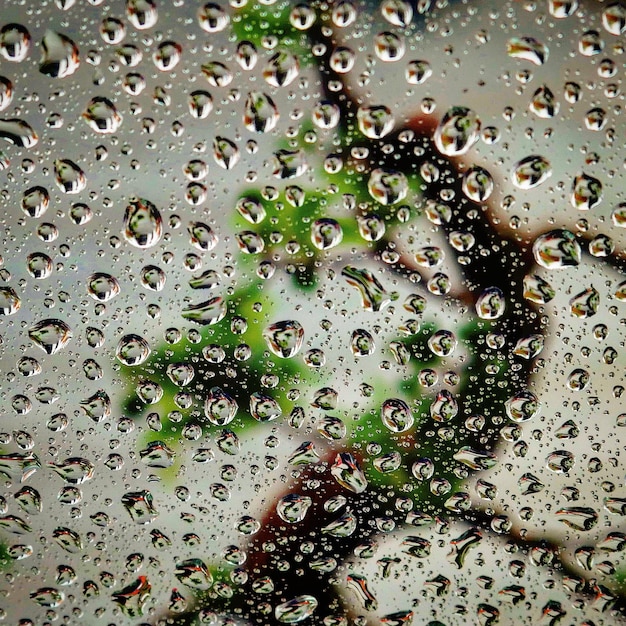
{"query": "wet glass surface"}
pixel 311 312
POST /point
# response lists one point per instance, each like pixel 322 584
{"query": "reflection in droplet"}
pixel 531 172
pixel 143 225
pixel 60 55
pixel 557 249
pixel 457 131
pixel 528 49
pixel 50 335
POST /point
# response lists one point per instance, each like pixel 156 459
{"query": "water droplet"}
pixel 157 454
pixel 50 335
pixel 529 347
pixel 102 287
pixel 557 249
pixel 250 242
pixel 282 69
pixel 217 74
pixel 477 184
pixel 387 186
pixel 491 304
pixel 296 610
pixel 97 406
pixel 225 152
pixel 289 164
pixel 614 19
pixel 528 49
pixel 326 233
pixel 60 55
pixel 374 296
pixel 531 172
pixel 167 55
pixel 326 115
pixel 444 406
pixel 18 132
pixel 251 209
pixel 457 131
pixel 69 177
pixel 202 236
pixel 260 113
pixel 153 278
pixel 112 30
pixel 442 343
pixel 344 13
pixel 302 17
pixel 142 14
pixel 578 517
pixel 331 428
pixel 200 104
pixel 586 192
pixel 74 470
pixel 102 116
pixel 264 408
pixel 67 539
pixel 132 350
pixel 389 47
pixel 347 472
pixel 522 407
pixel 10 302
pixel 585 304
pixel 562 8
pixel 133 598
pixel 475 459
pixel 29 500
pixel 418 72
pixel 48 597
pixel 359 584
pixel 344 526
pixel 139 506
pixel 212 18
pixel 194 574
pixel 14 42
pixel 396 415
pixel 293 507
pixel 375 121
pixel 219 407
pixel 284 338
pixel 371 227
pixel 143 225
pixel 397 12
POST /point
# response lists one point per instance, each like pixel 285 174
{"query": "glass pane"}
pixel 312 312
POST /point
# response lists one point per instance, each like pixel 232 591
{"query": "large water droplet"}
pixel 102 115
pixel 282 69
pixel 374 296
pixel 102 287
pixel 296 610
pixel 139 506
pixel 457 131
pixel 293 507
pixel 142 14
pixel 143 225
pixel 523 406
pixel 69 177
pixel 133 598
pixel 60 55
pixel 132 350
pixel 18 132
pixel 50 335
pixel 260 113
pixel 219 407
pixel 225 153
pixel 585 304
pixel 557 249
pixel 396 415
pixel 528 49
pixel 10 302
pixel 194 574
pixel 284 338
pixel 347 472
pixel 531 171
pixel 264 408
pixel 491 304
pixel 14 42
pixel 387 186
pixel 375 121
pixel 326 233
pixel 586 192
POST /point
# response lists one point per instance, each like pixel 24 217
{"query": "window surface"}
pixel 312 312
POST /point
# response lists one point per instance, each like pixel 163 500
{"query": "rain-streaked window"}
pixel 311 312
